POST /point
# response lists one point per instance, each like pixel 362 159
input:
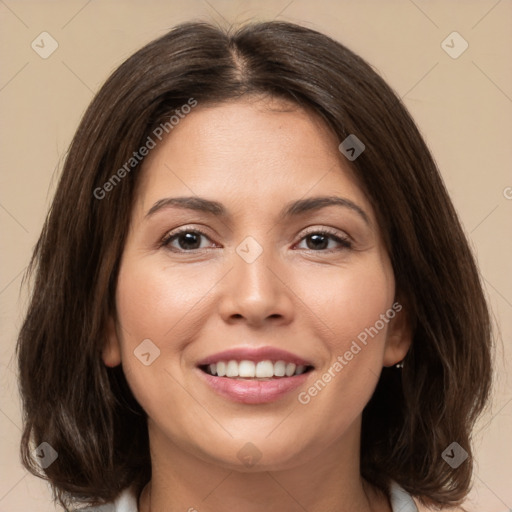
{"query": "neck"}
pixel 330 480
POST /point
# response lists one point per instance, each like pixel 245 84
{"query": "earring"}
pixel 399 365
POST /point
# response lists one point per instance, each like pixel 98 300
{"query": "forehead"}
pixel 255 153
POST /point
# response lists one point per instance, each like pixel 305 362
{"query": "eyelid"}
pixel 325 229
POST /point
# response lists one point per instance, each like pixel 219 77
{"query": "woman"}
pixel 252 291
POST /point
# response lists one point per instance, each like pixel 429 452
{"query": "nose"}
pixel 256 292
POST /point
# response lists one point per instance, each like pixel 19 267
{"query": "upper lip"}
pixel 255 355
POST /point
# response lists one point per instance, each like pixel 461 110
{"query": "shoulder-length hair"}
pixel 86 411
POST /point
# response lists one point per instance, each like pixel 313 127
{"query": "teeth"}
pixel 260 370
pixel 232 369
pixel 280 369
pixel 246 369
pixel 221 368
pixel 290 369
pixel 300 369
pixel 264 369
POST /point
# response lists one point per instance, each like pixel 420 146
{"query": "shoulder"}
pixel 401 500
pixel 125 502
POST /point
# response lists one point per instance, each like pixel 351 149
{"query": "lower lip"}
pixel 254 391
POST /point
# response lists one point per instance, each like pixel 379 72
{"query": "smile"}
pixel 254 375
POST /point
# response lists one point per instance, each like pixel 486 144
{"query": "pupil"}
pixel 316 237
pixel 189 238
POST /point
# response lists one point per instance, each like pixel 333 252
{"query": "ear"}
pixel 111 352
pixel 399 336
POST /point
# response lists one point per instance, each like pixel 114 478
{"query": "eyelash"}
pixel 344 241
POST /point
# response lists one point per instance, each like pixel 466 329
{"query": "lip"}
pixel 255 355
pixel 253 391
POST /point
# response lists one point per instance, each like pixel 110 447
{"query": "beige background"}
pixel 463 107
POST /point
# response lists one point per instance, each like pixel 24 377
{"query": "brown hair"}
pixel 86 411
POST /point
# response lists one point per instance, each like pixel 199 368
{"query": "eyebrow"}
pixel 291 209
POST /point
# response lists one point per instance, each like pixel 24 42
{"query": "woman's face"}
pixel 253 272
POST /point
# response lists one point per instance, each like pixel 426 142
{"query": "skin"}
pixel 253 156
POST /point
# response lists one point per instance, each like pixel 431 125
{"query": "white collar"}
pixel 401 500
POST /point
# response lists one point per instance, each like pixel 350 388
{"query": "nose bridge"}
pixel 255 290
pixel 252 261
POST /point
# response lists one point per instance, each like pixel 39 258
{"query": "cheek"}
pixel 158 303
pixel 350 301
pixel 350 306
pixel 153 300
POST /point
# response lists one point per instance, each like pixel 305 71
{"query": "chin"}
pixel 259 454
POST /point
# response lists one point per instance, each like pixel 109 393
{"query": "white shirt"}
pixel 401 501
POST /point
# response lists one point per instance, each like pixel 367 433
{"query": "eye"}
pixel 319 240
pixel 187 239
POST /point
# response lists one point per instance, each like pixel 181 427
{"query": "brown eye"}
pixel 319 241
pixel 187 240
